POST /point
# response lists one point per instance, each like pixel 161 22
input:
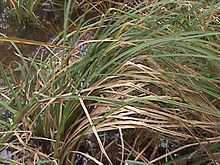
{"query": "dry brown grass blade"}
pixel 122 146
pixel 141 124
pixel 94 130
pixel 31 42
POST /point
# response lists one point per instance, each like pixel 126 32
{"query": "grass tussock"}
pixel 146 78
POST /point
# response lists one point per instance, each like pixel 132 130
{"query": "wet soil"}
pixel 10 28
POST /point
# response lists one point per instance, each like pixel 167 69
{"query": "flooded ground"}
pixel 9 28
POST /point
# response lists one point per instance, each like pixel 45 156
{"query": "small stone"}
pixel 5 154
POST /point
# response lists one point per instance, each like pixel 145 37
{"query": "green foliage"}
pixel 24 11
pixel 153 68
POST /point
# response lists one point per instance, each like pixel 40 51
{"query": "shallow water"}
pixel 7 51
pixel 10 29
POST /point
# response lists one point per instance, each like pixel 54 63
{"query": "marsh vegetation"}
pixel 110 82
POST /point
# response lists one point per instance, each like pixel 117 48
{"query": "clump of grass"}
pixel 147 77
pixel 24 11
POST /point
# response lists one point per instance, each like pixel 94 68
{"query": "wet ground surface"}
pixel 10 28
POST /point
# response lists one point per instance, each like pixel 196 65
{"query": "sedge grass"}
pixel 151 72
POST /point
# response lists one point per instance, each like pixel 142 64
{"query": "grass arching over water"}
pixel 151 74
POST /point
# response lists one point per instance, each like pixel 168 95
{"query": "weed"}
pixel 149 77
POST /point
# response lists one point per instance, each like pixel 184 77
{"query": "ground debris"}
pixel 5 154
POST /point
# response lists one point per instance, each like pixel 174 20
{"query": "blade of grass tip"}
pixel 6 80
pixel 6 106
pixel 67 7
pixel 67 12
pixel 122 145
pixel 94 129
pixel 134 162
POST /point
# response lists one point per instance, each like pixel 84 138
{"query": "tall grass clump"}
pixel 23 11
pixel 143 88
